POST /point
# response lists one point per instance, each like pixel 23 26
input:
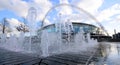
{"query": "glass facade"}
pixel 87 28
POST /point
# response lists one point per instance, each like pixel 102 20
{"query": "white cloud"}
pixel 42 8
pixel 65 10
pixel 118 18
pixel 12 24
pixel 103 16
pixel 110 18
pixel 109 12
pixel 90 6
pixel 17 6
pixel 21 7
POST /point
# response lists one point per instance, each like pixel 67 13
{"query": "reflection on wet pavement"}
pixel 111 53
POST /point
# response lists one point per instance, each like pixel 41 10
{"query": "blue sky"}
pixel 108 3
pixel 107 12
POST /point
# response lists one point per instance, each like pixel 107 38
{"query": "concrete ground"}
pixel 15 58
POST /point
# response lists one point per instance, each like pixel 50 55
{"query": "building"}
pixel 87 28
pixel 96 32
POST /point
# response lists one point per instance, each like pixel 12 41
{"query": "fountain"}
pixel 63 40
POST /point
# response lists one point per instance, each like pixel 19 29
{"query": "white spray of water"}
pixel 63 41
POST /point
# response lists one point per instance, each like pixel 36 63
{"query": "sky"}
pixel 107 12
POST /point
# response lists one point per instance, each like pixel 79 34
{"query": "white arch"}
pixel 80 9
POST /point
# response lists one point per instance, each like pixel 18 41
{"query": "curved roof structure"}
pixel 88 28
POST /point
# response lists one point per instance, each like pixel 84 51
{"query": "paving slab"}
pixel 16 58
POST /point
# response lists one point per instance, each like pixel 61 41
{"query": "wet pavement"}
pixel 15 58
pixel 109 55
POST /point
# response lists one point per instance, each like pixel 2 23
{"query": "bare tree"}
pixel 4 25
pixel 23 28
